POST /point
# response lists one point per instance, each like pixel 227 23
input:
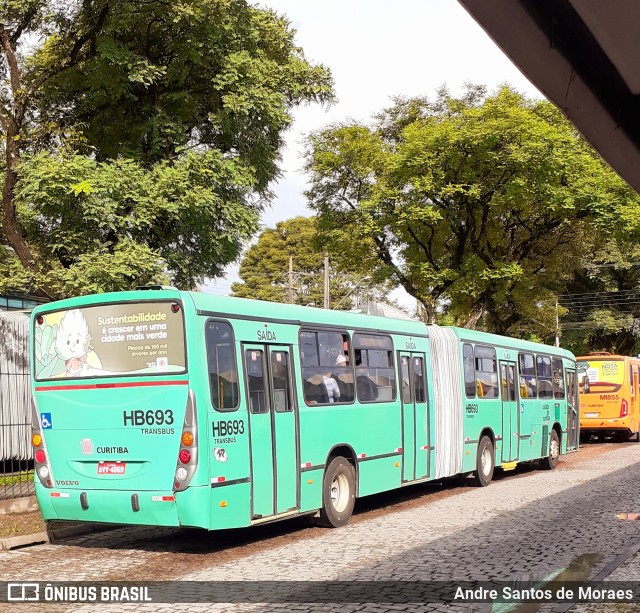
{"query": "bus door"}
pixel 273 429
pixel 415 416
pixel 573 419
pixel 510 413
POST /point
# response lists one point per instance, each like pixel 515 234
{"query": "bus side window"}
pixel 405 382
pixel 256 381
pixel 570 384
pixel 631 385
pixel 558 379
pixel 545 388
pixel 222 366
pixel 419 380
pixel 486 372
pixel 280 381
pixel 527 369
pixel 326 371
pixel 469 370
pixel 375 372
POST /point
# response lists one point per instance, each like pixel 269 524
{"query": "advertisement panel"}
pixel 110 340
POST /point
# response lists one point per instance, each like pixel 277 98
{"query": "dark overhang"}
pixel 583 55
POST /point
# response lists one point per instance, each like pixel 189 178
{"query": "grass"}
pixel 22 477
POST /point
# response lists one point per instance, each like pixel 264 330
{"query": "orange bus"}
pixel 609 399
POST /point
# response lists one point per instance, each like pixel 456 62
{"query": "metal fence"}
pixel 16 452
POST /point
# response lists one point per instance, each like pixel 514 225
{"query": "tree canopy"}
pixel 264 269
pixel 481 206
pixel 140 138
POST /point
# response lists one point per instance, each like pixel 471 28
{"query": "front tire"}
pixel 551 461
pixel 338 493
pixel 485 462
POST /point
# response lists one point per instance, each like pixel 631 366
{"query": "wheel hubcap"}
pixel 485 461
pixel 340 492
pixel 554 451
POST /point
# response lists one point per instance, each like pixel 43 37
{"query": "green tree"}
pixel 601 305
pixel 479 206
pixel 265 267
pixel 140 138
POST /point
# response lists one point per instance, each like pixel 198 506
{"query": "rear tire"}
pixel 338 493
pixel 585 437
pixel 551 461
pixel 485 462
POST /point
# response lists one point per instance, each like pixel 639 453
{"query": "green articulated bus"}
pixel 171 408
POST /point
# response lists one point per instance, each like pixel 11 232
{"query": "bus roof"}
pixel 232 307
pixel 475 336
pixel 606 357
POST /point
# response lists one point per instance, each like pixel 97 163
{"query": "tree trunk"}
pixel 10 222
pixel 473 319
pixel 426 311
pixel 12 123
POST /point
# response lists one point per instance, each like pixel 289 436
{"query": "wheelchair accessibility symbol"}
pixel 45 421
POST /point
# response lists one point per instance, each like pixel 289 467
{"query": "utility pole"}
pixel 557 325
pixel 326 280
pixel 290 279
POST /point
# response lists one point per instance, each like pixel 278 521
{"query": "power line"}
pixel 617 292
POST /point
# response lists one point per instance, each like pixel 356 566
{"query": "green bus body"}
pixel 112 420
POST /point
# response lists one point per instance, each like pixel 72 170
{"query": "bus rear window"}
pixel 110 340
pixel 602 372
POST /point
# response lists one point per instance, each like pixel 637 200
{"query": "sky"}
pixel 377 49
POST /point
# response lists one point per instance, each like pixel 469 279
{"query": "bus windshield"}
pixel 133 338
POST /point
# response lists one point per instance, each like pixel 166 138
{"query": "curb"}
pixel 14 542
pixel 51 536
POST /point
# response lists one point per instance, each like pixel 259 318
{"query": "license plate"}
pixel 591 414
pixel 111 468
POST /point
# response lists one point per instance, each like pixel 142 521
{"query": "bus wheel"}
pixel 485 462
pixel 551 461
pixel 338 493
pixel 621 437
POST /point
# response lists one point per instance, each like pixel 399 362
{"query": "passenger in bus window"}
pixel 315 391
pixel 530 387
pixel 367 389
pixel 524 389
pixel 343 375
pixel 333 391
